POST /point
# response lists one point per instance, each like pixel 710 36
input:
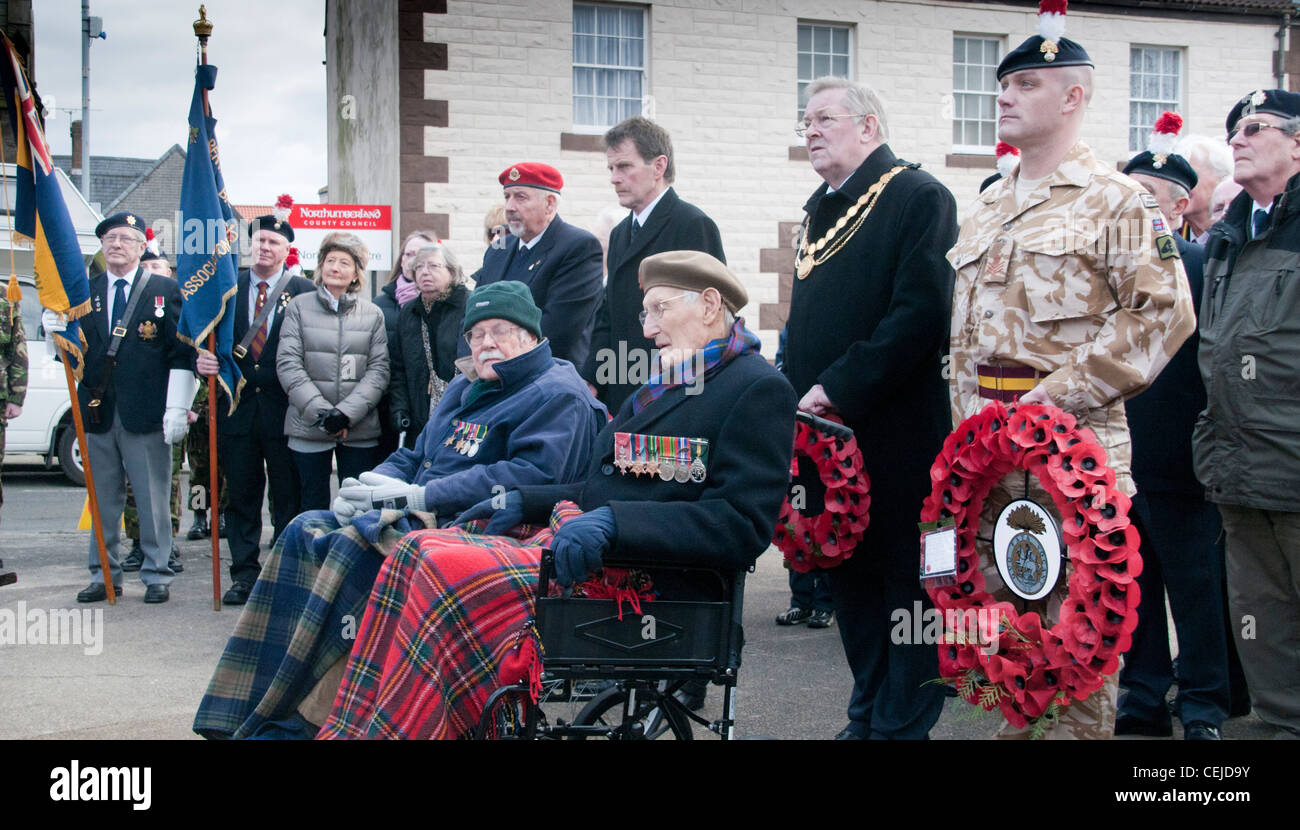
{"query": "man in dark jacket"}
pixel 639 153
pixel 1181 549
pixel 251 441
pixel 865 336
pixel 558 262
pixel 1246 446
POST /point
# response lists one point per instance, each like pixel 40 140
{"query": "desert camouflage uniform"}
pixel 13 366
pixel 1071 284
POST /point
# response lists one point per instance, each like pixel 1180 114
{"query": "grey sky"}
pixel 269 100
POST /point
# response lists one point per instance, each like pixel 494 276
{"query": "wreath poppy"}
pixel 1031 671
pixel 828 538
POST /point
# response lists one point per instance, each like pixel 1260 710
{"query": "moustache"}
pixel 491 354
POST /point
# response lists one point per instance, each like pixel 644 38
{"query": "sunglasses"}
pixel 1252 129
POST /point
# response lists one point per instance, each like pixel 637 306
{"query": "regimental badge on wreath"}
pixel 466 437
pixel 672 458
pixel 1027 548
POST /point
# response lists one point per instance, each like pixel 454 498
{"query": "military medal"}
pixel 158 307
pixel 652 458
pixel 666 467
pixel 622 451
pixel 147 330
pixel 479 432
pixel 638 466
pixel 451 438
pixel 698 470
pixel 682 471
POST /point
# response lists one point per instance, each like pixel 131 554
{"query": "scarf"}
pixel 715 354
pixel 405 290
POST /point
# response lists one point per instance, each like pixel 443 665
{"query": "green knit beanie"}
pixel 506 300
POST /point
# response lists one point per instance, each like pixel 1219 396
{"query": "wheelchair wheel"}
pixel 652 719
pixel 503 717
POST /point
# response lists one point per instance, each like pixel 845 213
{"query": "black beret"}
pixel 1032 54
pixel 270 223
pixel 125 219
pixel 1170 167
pixel 1275 101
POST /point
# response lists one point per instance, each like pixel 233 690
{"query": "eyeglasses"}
pixel 499 332
pixel 822 122
pixel 436 266
pixel 120 238
pixel 1252 129
pixel 657 313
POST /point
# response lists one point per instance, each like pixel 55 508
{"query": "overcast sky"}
pixel 269 100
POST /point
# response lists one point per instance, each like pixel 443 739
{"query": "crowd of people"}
pixel 472 426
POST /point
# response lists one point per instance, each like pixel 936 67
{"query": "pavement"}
pixel 148 671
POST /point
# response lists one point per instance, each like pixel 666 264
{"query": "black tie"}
pixel 119 302
pixel 636 226
pixel 1261 221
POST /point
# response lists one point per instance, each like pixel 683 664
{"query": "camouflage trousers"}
pixel 3 422
pixel 1092 718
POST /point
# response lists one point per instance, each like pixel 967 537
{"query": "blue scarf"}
pixel 715 353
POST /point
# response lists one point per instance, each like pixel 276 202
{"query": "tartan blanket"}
pixel 300 617
pixel 448 622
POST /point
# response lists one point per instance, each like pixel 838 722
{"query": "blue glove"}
pixel 580 544
pixel 505 511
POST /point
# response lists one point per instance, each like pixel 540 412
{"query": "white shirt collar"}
pixel 528 246
pixel 830 190
pixel 640 218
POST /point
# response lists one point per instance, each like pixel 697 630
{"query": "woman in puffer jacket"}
pixel 333 364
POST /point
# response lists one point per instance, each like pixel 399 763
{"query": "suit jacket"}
pixel 149 351
pixel 745 410
pixel 673 225
pixel 870 325
pixel 262 402
pixel 563 272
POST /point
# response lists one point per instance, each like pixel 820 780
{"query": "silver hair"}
pixel 858 97
pixel 1216 152
pixel 692 297
pixel 448 259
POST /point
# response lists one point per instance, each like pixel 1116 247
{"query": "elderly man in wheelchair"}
pixel 690 474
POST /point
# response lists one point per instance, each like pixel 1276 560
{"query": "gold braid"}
pixel 807 258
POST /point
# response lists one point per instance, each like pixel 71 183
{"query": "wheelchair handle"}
pixel 824 426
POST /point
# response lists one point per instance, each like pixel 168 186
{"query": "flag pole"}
pixel 202 30
pixel 95 521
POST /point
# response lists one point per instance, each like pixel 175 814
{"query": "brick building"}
pixel 431 100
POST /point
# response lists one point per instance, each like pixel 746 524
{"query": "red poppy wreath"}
pixel 1029 670
pixel 828 538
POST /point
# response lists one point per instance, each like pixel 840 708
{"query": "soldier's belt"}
pixel 1006 383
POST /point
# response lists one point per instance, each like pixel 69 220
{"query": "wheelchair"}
pixel 625 666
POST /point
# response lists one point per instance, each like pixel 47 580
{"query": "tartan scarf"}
pixel 716 353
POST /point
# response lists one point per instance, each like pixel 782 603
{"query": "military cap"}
pixel 125 219
pixel 1159 159
pixel 692 271
pixel 1274 101
pixel 532 174
pixel 1049 48
pixel 277 220
pixel 505 300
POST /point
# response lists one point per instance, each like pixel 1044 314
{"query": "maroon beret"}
pixel 532 174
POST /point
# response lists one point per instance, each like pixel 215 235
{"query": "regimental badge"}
pixel 1158 160
pixel 130 220
pixel 1257 97
pixel 284 301
pixel 1049 50
pixel 147 330
pixel 1166 247
pixel 99 305
pixel 1027 547
pixel 514 174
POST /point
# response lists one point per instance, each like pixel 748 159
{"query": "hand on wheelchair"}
pixel 579 545
pixel 505 511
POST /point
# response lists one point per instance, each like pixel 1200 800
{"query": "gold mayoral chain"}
pixel 808 258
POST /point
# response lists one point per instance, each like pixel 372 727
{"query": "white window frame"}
pixel 958 108
pixel 801 82
pixel 590 126
pixel 1139 129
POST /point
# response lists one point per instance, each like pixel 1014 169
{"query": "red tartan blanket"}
pixel 446 624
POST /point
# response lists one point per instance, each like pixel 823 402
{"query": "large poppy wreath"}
pixel 1035 671
pixel 827 539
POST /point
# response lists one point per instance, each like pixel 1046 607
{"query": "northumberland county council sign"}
pixel 373 223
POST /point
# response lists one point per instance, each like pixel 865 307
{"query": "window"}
pixel 608 64
pixel 1155 85
pixel 823 50
pixel 975 93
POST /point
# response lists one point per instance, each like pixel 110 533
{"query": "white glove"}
pixel 346 510
pixel 176 423
pixel 375 490
pixel 53 322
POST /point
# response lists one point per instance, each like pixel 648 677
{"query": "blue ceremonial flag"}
pixel 205 261
pixel 41 216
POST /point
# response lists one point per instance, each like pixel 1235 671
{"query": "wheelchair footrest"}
pixel 665 634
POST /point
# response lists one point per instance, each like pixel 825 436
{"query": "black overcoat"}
pixel 673 225
pixel 409 384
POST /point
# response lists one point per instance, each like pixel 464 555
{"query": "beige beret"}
pixel 692 271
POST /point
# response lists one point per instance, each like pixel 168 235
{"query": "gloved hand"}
pixel 375 490
pixel 506 511
pixel 344 510
pixel 335 422
pixel 580 544
pixel 401 421
pixel 176 423
pixel 53 322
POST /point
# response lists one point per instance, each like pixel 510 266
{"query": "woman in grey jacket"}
pixel 333 364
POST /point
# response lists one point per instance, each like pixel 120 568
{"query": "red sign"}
pixel 342 217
